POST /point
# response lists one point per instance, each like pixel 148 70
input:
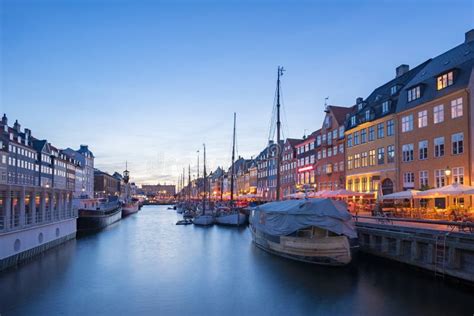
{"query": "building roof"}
pixel 340 113
pixel 460 59
pixel 293 141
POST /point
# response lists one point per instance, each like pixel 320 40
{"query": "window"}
pixel 364 159
pixel 458 175
pixel 423 178
pixel 423 150
pixel 438 114
pixel 329 138
pixel 371 133
pixel 409 180
pixel 439 147
pixel 439 178
pixel 380 130
pixel 349 140
pixel 367 115
pixel 363 136
pixel 390 128
pixel 356 161
pixel 341 131
pixel 318 140
pixel 372 157
pixel 353 120
pixel 385 107
pixel 364 184
pixel 458 143
pixel 414 93
pixel 444 80
pixel 422 119
pixel 456 108
pixel 356 138
pixel 329 151
pixel 341 148
pixel 393 90
pixel 319 155
pixel 407 123
pixel 349 163
pixel 334 134
pixel 381 155
pixel 390 153
pixel 407 152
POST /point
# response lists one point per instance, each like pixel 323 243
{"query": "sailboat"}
pixel 319 231
pixel 231 216
pixel 204 219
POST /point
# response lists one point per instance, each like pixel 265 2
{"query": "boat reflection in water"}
pixel 319 231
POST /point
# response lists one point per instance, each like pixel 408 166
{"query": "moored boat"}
pixel 318 231
pixel 130 208
pixel 203 220
pixel 230 217
pixel 95 214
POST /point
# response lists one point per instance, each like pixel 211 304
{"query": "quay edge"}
pixel 443 253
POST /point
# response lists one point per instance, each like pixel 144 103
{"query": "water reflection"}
pixel 145 264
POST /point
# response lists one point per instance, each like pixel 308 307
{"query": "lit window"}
pixel 458 175
pixel 423 178
pixel 409 180
pixel 381 155
pixel 444 80
pixel 372 157
pixel 439 178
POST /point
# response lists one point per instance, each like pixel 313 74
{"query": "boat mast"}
pixel 280 73
pixel 189 182
pixel 232 167
pixel 197 178
pixel 205 178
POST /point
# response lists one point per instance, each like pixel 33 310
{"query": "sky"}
pixel 149 82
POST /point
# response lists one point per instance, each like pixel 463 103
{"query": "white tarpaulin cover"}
pixel 285 217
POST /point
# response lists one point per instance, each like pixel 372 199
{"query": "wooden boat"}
pixel 319 231
pixel 184 222
pixel 228 217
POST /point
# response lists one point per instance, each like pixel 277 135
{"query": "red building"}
pixel 330 173
pixel 289 167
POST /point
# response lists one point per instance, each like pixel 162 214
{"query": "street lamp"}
pixel 447 173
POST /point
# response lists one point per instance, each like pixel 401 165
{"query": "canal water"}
pixel 145 264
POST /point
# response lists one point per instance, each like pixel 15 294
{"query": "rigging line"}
pixel 285 117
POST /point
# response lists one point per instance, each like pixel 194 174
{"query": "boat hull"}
pixel 88 221
pixel 203 220
pixel 231 219
pixel 330 251
pixel 129 209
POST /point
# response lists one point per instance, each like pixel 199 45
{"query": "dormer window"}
pixel 367 115
pixel 353 120
pixel 393 90
pixel 444 80
pixel 414 93
pixel 359 106
pixel 385 107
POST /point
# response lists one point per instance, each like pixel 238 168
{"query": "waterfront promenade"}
pixel 148 265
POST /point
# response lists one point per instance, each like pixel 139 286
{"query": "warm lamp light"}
pixel 447 172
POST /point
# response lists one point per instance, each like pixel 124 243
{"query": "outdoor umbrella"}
pixel 454 189
pixel 408 194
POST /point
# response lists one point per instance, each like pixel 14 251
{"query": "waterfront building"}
pixel 330 171
pixel 262 174
pixel 105 185
pixel 253 179
pixel 84 185
pixel 166 191
pixel 34 215
pixel 306 162
pixel 215 183
pixel 371 140
pixel 435 116
pixel 288 167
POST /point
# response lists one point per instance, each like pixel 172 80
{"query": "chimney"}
pixel 359 100
pixel 4 119
pixel 401 70
pixel 469 36
pixel 27 135
pixel 17 126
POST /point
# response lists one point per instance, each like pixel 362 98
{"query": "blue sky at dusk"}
pixel 150 81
